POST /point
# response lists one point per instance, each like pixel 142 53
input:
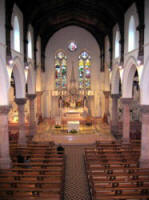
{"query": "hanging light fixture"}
pixel 120 66
pixel 26 68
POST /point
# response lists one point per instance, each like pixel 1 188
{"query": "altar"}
pixel 73 125
pixel 72 113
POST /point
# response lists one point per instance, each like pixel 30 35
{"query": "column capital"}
pixel 126 100
pixel 144 108
pixel 31 96
pixel 4 109
pixel 39 93
pixel 106 93
pixel 115 96
pixel 20 101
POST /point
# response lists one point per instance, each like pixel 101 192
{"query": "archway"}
pixel 4 83
pixel 128 74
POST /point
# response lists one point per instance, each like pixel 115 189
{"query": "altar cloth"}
pixel 73 125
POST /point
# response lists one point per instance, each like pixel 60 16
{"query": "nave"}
pixel 106 170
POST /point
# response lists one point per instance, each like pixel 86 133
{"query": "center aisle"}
pixel 76 186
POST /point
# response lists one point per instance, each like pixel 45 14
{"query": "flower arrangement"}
pixel 57 126
pixel 88 123
pixel 73 131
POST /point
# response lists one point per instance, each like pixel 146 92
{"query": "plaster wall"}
pixel 85 41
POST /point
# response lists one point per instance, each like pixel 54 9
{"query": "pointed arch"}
pixel 129 72
pixel 84 67
pixel 19 77
pixel 60 70
pixel 4 83
pixel 17 32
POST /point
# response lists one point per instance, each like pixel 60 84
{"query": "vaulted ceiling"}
pixel 97 16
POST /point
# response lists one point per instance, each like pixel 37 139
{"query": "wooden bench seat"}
pixel 40 179
pixel 132 196
pixel 124 173
pixel 31 184
pixel 56 187
pixel 11 193
pixel 14 178
pixel 49 170
pixel 118 169
pixel 39 164
pixel 113 172
pixel 26 197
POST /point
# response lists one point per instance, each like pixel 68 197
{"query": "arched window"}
pixel 131 34
pixel 117 44
pixel 29 46
pixel 84 70
pixel 60 70
pixel 16 38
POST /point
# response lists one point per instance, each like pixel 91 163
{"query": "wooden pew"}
pixel 42 178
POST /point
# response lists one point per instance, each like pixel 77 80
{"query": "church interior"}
pixel 74 100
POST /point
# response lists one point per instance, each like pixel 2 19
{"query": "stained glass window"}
pixel 84 70
pixel 60 70
pixel 72 46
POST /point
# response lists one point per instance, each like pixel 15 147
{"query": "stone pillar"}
pixel 144 156
pixel 22 136
pixel 39 94
pixel 106 113
pixel 32 121
pixel 114 119
pixel 5 161
pixel 126 119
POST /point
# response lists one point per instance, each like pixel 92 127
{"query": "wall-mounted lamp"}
pixel 26 65
pixel 26 68
pixel 9 60
pixel 120 66
pixel 140 60
pixel 109 69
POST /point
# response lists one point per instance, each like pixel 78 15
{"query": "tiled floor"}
pixel 76 186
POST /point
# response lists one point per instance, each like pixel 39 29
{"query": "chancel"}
pixel 75 74
pixel 73 100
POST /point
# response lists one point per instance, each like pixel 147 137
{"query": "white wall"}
pixel 4 80
pixel 85 41
pixel 145 80
pixel 38 53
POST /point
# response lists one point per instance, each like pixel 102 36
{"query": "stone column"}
pixel 22 136
pixel 126 119
pixel 5 161
pixel 114 120
pixel 106 113
pixel 144 157
pixel 32 121
pixel 39 94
